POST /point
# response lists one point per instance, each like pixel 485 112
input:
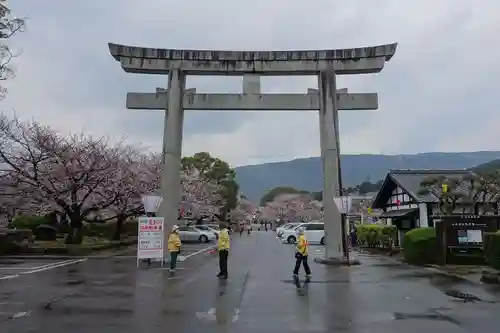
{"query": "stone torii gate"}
pixel 325 64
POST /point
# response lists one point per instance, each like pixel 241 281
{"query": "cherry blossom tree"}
pixel 293 207
pixel 215 171
pixel 68 173
pixel 14 201
pixel 89 179
pixel 136 174
pixel 244 211
pixel 200 196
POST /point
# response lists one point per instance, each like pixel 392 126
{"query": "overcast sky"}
pixel 438 93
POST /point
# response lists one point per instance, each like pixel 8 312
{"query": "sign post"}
pixel 151 234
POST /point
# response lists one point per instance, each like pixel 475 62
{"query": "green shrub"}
pixel 103 230
pixel 7 245
pixel 27 222
pixel 492 249
pixel 376 235
pixel 130 228
pixel 107 230
pixel 91 245
pixel 420 246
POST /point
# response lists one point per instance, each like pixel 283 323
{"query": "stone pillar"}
pixel 322 142
pixel 331 175
pixel 172 148
pixel 322 122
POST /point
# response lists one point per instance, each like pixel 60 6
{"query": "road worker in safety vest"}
pixel 301 254
pixel 174 247
pixel 223 247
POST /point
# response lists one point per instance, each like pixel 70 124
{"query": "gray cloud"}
pixel 444 75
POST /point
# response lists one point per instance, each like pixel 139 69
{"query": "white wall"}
pixel 396 195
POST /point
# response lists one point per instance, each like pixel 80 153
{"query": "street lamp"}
pixel 343 204
pixel 151 204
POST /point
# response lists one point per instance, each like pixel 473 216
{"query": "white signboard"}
pixel 150 240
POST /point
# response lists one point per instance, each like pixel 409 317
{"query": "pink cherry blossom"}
pixel 89 179
pixel 292 207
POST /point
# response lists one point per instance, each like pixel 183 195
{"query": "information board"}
pixel 150 240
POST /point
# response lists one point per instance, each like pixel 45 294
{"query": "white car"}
pixel 314 232
pixel 208 228
pixel 191 234
pixel 286 226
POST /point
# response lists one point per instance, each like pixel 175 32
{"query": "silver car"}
pixel 192 234
pixel 208 228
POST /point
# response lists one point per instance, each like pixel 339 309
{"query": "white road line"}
pixel 20 314
pixel 200 251
pixel 57 265
pixel 35 267
pixel 44 268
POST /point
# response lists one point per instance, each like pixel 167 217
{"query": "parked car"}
pixel 208 228
pixel 214 226
pixel 286 226
pixel 314 232
pixel 192 234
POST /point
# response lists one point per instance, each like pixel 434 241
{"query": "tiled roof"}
pixel 410 180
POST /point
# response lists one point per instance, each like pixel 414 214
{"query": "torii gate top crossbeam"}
pixel 205 62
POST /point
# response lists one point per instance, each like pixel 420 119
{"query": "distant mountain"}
pixel 306 174
pixel 487 167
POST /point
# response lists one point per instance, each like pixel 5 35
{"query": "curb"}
pixel 336 261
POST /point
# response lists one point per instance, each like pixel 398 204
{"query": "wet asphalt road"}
pixel 260 296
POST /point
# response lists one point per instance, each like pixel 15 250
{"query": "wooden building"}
pixel 402 204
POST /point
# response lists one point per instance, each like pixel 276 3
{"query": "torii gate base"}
pixel 326 64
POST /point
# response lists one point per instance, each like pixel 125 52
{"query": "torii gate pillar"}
pixel 172 149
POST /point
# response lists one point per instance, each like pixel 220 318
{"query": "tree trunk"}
pixel 120 219
pixel 76 234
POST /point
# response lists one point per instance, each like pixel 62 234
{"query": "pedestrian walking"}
pixel 223 247
pixel 174 247
pixel 301 254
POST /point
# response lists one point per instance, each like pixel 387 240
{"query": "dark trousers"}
pixel 173 259
pixel 301 260
pixel 223 254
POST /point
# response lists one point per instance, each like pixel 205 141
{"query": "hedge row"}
pixel 105 230
pixel 492 249
pixel 376 235
pixel 14 242
pixel 420 246
pixel 75 250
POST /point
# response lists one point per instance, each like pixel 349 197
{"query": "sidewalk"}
pixel 474 274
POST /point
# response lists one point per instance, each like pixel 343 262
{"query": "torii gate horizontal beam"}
pixel 145 60
pixel 229 102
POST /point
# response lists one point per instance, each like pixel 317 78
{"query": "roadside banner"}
pixel 150 241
